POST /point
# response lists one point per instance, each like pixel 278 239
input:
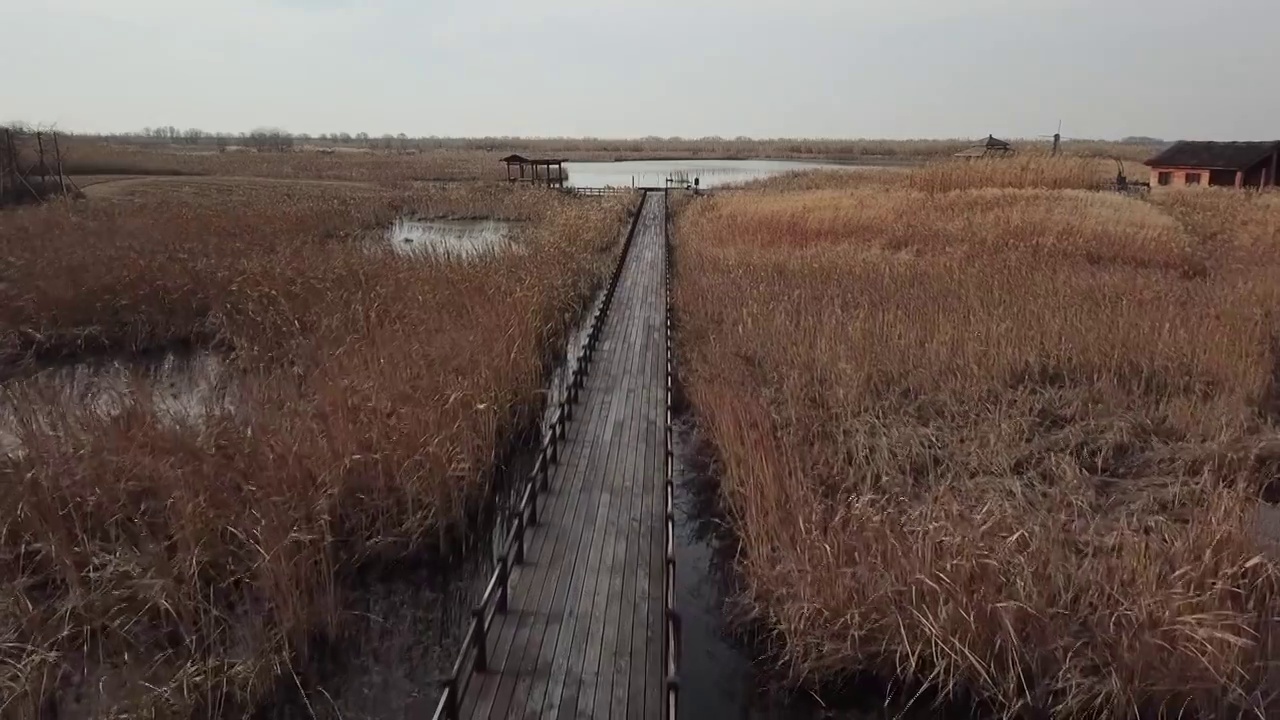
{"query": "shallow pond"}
pixel 182 389
pixel 709 173
pixel 448 238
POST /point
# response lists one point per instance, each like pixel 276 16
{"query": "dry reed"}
pixel 87 157
pixel 1006 442
pixel 179 563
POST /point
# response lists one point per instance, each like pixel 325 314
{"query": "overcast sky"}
pixel 613 68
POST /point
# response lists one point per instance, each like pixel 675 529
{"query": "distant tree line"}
pixel 269 139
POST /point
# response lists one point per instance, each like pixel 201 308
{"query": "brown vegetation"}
pixel 1009 441
pixel 477 158
pixel 89 157
pixel 829 148
pixel 1018 172
pixel 178 563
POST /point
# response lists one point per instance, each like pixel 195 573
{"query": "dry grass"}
pixel 477 158
pixel 1003 441
pixel 1021 171
pixel 87 157
pixel 179 563
pixel 1024 171
pixel 832 148
pixel 1237 231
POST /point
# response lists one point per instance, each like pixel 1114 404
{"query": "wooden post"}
pixel 482 654
pixel 518 556
pixel 1239 178
pixel 1275 161
pixel 503 582
pixel 451 698
pixel 44 175
pixel 62 177
pixel 4 163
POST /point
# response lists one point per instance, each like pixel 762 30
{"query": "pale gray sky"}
pixel 614 68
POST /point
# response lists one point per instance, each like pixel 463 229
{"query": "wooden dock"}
pixel 583 634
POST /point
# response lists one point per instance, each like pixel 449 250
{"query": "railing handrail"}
pixel 672 629
pixel 607 190
pixel 472 655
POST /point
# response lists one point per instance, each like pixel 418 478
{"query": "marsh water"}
pixel 709 173
pixel 450 238
pixel 182 388
pixel 403 634
pixel 723 673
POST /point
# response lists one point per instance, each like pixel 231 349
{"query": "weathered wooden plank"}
pixel 622 474
pixel 582 448
pixel 568 657
pixel 582 676
pixel 636 592
pixel 583 636
pixel 545 570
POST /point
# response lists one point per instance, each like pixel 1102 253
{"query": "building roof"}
pixel 988 147
pixel 1215 155
pixel 531 161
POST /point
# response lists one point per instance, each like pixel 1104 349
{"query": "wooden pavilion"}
pixel 991 147
pixel 539 172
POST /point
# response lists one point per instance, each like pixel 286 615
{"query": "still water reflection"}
pixel 710 173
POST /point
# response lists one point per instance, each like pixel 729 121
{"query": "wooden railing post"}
pixel 481 646
pixel 451 698
pixel 504 576
pixel 518 559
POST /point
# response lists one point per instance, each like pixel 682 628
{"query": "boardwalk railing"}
pixel 473 654
pixel 602 190
pixel 672 643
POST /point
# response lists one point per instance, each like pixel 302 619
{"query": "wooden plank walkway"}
pixel 583 634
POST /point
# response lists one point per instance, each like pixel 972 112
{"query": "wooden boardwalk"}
pixel 583 633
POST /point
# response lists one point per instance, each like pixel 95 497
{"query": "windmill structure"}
pixel 1057 139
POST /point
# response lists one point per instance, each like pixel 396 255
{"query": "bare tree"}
pixel 271 139
pixel 31 164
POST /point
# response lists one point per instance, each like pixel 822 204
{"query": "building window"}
pixel 1164 178
pixel 1193 178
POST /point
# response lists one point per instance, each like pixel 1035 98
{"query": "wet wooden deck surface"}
pixel 583 635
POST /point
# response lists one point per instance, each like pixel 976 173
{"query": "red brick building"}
pixel 1221 164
